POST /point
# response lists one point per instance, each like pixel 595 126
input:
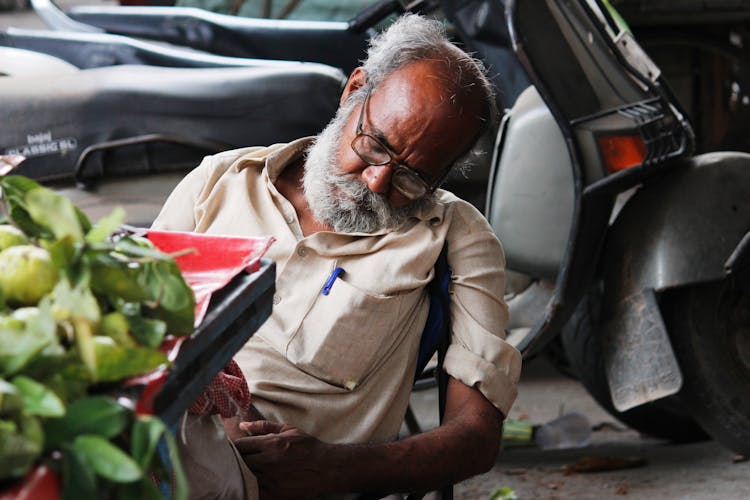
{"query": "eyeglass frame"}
pixel 396 165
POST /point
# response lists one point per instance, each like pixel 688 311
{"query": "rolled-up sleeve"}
pixel 478 354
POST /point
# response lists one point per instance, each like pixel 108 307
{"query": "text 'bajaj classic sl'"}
pixel 624 246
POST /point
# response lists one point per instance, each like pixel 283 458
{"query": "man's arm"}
pixel 291 464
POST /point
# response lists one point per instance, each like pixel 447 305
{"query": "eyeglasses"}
pixel 372 151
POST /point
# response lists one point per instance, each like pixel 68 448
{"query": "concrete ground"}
pixel 695 471
pixel 692 471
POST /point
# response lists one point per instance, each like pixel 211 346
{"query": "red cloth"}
pixel 227 394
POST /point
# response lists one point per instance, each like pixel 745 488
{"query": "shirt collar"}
pixel 279 159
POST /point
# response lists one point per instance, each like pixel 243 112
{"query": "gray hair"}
pixel 413 38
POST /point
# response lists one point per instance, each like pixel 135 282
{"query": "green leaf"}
pixel 166 283
pixel 11 403
pixel 149 332
pixel 504 493
pixel 48 366
pixel 71 382
pixel 115 362
pixel 107 460
pixel 25 335
pixel 17 347
pixel 74 302
pixel 85 344
pixel 18 450
pixel 54 212
pixel 116 278
pixel 15 188
pixel 147 433
pixel 106 226
pixel 63 252
pixel 145 436
pixel 97 415
pixel 78 476
pixel 180 482
pixel 145 489
pixel 172 297
pixel 38 399
pixel 137 246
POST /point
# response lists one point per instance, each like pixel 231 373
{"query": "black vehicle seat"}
pixel 139 123
pixel 95 50
pixel 16 62
pixel 325 42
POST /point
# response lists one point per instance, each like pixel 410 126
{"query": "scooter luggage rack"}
pixel 664 139
pixel 235 313
pixel 95 50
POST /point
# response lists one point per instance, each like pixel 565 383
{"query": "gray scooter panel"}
pixel 531 192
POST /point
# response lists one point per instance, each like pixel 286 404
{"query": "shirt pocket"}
pixel 345 334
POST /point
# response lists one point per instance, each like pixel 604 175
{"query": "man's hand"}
pixel 291 464
pixel 287 462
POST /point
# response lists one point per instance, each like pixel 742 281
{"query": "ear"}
pixel 356 81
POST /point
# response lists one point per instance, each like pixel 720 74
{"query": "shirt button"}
pixel 302 251
pixel 276 300
pixel 289 219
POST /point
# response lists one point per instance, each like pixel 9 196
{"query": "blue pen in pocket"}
pixel 331 279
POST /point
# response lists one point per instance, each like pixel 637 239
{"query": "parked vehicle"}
pixel 639 265
pixel 623 244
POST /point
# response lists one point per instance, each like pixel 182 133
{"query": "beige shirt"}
pixel 341 366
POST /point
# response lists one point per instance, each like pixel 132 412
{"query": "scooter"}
pixel 623 245
pixel 637 251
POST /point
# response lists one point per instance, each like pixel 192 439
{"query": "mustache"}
pixel 343 200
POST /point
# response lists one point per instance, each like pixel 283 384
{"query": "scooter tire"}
pixel 664 419
pixel 709 326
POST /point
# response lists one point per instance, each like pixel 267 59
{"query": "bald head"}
pixel 412 39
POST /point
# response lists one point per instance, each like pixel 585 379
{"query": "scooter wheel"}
pixel 666 418
pixel 709 326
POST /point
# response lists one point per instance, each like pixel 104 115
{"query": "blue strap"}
pixel 436 327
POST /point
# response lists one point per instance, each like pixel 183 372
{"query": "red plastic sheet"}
pixel 41 483
pixel 209 262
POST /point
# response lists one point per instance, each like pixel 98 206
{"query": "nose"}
pixel 377 178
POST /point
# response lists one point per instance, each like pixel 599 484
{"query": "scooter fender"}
pixel 682 228
pixel 675 231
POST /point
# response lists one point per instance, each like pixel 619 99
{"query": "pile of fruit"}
pixel 82 307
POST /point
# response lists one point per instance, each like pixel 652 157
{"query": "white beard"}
pixel 343 201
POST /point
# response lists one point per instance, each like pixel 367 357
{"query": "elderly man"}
pixel 359 224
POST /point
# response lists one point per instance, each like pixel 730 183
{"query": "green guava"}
pixel 11 236
pixel 26 274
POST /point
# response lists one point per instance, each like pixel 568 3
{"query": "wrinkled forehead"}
pixel 419 104
pixel 430 86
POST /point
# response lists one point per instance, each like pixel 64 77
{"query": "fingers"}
pixel 261 437
pixel 262 427
pixel 249 445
